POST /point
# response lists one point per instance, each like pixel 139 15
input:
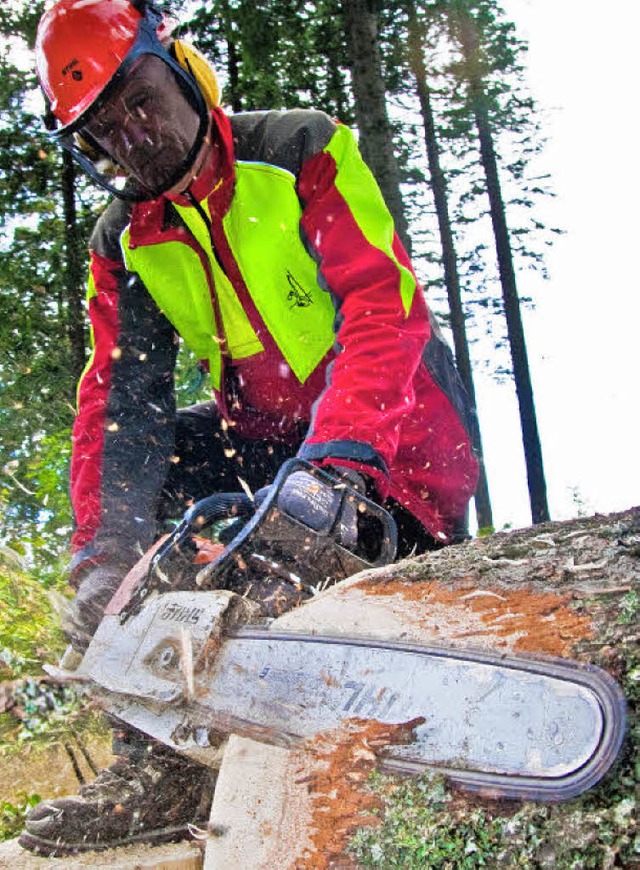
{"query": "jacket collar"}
pixel 216 179
pixel 215 182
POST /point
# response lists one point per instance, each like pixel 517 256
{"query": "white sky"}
pixel 583 336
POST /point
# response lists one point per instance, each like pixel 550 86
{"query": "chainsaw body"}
pixel 191 653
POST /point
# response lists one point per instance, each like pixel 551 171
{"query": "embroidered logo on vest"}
pixel 298 296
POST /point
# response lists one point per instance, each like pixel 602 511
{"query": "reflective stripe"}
pixel 91 292
pixel 91 287
pixel 360 191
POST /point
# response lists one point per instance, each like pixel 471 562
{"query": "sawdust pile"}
pixel 517 619
pixel 334 768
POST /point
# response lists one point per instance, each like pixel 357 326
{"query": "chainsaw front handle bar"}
pixel 201 515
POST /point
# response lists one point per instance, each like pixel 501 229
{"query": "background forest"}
pixel 437 94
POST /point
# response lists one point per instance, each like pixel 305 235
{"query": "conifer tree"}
pixel 376 142
pixel 416 42
pixel 473 25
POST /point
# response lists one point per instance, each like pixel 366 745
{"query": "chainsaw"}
pixel 189 651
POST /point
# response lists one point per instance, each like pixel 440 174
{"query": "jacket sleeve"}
pixel 382 323
pixel 124 431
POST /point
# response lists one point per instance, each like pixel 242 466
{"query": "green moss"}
pixel 12 816
pixel 425 825
pixel 629 608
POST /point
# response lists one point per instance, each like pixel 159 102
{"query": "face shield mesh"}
pixel 142 135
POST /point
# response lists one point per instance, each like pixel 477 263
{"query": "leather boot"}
pixel 150 794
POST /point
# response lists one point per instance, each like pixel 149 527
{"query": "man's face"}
pixel 147 126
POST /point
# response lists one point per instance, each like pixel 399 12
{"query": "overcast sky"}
pixel 583 337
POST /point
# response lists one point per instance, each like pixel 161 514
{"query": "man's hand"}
pixel 95 591
pixel 315 503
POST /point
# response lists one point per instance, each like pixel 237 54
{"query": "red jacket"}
pixel 386 399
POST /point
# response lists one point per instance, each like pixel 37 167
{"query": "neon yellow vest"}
pixel 262 229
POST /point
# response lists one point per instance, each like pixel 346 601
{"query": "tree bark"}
pixel 376 141
pixel 562 589
pixel 233 60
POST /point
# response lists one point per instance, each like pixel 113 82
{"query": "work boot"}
pixel 157 798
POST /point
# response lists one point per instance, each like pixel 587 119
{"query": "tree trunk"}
pixel 449 259
pixel 376 142
pixel 75 260
pixel 233 61
pixel 522 376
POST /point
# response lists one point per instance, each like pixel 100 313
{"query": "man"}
pixel 263 241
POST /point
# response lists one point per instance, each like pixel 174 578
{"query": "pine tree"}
pixel 416 42
pixel 376 141
pixel 469 23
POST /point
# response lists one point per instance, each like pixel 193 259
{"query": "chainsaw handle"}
pixel 221 506
pixel 213 508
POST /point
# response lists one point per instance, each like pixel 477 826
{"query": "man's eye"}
pixel 139 105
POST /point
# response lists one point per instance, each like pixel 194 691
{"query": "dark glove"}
pixel 95 590
pixel 315 503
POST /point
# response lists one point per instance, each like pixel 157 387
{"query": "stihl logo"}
pixel 76 75
pixel 177 613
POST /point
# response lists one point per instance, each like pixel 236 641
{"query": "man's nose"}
pixel 137 130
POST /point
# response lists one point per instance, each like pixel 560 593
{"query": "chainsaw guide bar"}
pixel 188 658
pixel 503 725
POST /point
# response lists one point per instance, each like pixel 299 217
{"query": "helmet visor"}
pixel 141 136
pixel 147 126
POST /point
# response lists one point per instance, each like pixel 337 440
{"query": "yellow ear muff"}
pixel 199 67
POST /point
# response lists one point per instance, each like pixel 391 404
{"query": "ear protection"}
pixel 198 67
pixel 186 55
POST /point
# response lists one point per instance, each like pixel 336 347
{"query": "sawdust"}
pixel 520 620
pixel 334 768
pixel 172 856
pixel 208 551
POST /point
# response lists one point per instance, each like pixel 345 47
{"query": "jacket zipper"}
pixel 207 222
pixel 229 385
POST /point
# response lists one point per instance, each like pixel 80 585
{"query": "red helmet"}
pixel 86 53
pixel 80 45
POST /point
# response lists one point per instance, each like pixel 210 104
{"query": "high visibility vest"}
pixel 262 230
